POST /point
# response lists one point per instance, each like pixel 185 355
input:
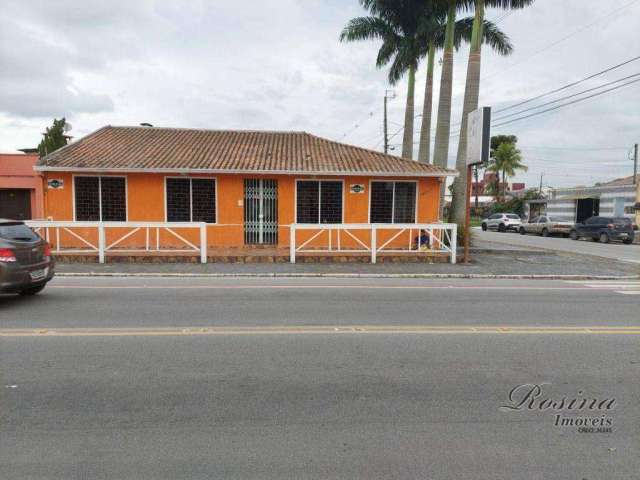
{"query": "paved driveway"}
pixel 614 251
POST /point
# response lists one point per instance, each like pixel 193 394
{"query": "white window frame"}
pixel 126 193
pixel 190 178
pixel 319 180
pixel 393 202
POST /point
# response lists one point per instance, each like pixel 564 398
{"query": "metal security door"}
pixel 260 211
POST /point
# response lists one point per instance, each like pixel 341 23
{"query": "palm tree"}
pixel 395 22
pixel 471 94
pixel 436 38
pixel 507 160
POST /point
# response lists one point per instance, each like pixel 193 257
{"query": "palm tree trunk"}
pixel 443 123
pixel 471 95
pixel 409 114
pixel 424 154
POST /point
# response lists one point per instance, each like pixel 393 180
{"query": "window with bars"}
pixel 318 201
pixel 393 202
pixel 100 199
pixel 191 200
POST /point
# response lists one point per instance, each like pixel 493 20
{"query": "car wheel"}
pixel 27 292
pixel 628 241
pixel 604 238
pixel 522 231
pixel 573 235
pixel 502 228
pixel 484 227
pixel 545 232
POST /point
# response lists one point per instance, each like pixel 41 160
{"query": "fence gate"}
pixel 260 211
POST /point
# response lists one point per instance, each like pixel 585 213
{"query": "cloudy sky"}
pixel 278 65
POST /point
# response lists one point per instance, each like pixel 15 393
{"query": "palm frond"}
pixel 367 28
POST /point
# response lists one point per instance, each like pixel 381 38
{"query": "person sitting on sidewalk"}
pixel 422 241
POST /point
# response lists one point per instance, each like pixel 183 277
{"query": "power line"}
pixel 566 98
pixel 590 77
pixel 357 125
pixel 567 104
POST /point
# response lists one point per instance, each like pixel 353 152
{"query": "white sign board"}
pixel 479 136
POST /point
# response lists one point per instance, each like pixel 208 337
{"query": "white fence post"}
pixel 454 242
pixel 374 243
pixel 203 243
pixel 101 242
pixel 292 243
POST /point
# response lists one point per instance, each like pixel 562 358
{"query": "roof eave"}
pixel 44 168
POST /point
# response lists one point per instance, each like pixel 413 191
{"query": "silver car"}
pixel 545 225
pixel 502 222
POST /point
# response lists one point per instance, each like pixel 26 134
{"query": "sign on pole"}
pixel 478 147
pixel 479 136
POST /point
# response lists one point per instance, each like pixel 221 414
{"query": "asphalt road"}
pixel 614 250
pixel 317 378
pixel 167 302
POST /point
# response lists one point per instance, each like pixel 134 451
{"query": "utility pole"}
pixel 388 94
pixel 635 164
pixel 635 182
pixel 540 190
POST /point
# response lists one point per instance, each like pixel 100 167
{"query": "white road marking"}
pixel 623 287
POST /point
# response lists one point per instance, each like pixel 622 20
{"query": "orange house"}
pixel 249 187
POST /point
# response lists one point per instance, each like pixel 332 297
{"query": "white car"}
pixel 502 222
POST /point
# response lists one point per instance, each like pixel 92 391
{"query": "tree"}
pixel 496 141
pixel 435 33
pixel 395 22
pixel 507 159
pixel 471 95
pixel 54 138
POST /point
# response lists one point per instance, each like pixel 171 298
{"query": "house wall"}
pixel 565 208
pixel 16 172
pixel 146 202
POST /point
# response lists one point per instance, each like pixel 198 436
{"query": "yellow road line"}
pixel 308 330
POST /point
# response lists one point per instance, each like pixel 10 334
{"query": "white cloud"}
pixel 277 64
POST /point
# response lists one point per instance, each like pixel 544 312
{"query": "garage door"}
pixel 15 204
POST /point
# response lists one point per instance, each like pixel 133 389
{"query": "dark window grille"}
pixel 393 202
pixel 330 202
pixel 404 203
pixel 203 200
pixel 308 208
pixel 381 209
pixel 87 198
pixel 100 199
pixel 191 200
pixel 114 199
pixel 319 202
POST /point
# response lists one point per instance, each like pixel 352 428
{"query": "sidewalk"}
pixel 506 263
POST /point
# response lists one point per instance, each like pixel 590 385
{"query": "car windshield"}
pixel 514 217
pixel 17 231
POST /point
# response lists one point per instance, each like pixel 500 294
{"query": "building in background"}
pixel 611 199
pixel 20 187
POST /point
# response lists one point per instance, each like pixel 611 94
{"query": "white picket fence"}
pixel 92 236
pixel 331 238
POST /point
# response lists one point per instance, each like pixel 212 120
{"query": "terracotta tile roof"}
pixel 217 151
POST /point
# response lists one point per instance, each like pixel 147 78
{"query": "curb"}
pixel 349 275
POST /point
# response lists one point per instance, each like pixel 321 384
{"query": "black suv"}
pixel 604 229
pixel 26 264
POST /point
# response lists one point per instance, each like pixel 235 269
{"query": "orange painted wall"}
pixel 146 202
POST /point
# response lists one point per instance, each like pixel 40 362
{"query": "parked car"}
pixel 545 225
pixel 502 222
pixel 26 264
pixel 604 229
